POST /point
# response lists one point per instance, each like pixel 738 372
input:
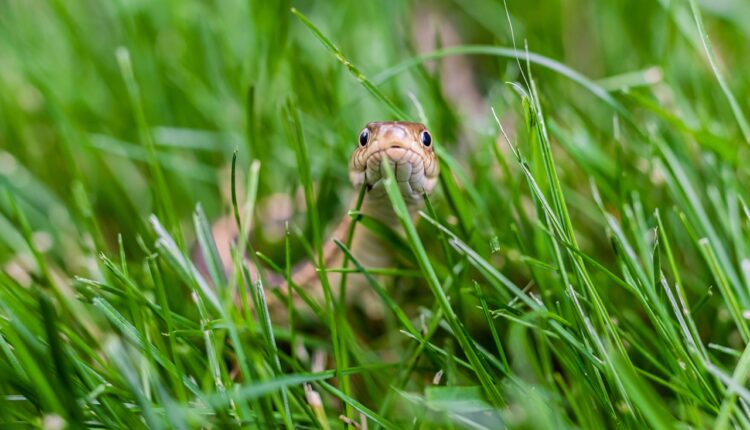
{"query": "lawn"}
pixel 583 263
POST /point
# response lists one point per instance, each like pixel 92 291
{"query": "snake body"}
pixel 408 147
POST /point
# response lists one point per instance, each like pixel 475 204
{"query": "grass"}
pixel 584 263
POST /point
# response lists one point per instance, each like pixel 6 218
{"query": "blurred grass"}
pixel 584 264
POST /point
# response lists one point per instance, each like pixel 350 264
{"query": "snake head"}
pixel 407 146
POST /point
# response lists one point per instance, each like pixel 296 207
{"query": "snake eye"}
pixel 364 137
pixel 426 138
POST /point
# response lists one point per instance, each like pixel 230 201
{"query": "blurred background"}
pixel 112 111
pixel 213 77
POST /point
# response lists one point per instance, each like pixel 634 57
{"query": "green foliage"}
pixel 585 262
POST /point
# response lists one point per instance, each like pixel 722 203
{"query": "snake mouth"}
pixel 408 167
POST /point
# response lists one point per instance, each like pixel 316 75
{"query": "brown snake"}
pixel 408 146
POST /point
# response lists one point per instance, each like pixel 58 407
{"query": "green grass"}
pixel 584 263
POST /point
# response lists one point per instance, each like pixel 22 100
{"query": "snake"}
pixel 409 149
